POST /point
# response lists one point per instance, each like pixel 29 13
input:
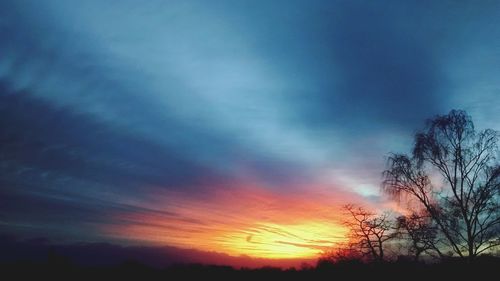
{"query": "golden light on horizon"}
pixel 260 240
pixel 242 221
pixel 275 241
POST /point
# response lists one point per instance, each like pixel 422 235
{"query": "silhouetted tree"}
pixel 369 232
pixel 421 233
pixel 466 207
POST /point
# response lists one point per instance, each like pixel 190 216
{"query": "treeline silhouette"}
pixel 61 268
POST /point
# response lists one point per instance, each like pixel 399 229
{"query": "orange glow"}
pixel 302 240
pixel 248 220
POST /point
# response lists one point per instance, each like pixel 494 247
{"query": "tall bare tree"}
pixel 466 205
pixel 369 231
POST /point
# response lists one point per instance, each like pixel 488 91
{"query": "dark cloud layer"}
pixel 356 60
pixel 38 136
pixel 386 70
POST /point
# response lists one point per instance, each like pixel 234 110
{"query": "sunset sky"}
pixel 238 127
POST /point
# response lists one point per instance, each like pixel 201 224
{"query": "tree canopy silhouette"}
pixel 465 206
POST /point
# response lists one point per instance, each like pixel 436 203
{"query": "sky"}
pixel 237 127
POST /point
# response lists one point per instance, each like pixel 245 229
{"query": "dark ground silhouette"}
pixel 60 268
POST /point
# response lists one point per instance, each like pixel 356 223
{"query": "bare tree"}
pixel 369 231
pixel 466 207
pixel 419 230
